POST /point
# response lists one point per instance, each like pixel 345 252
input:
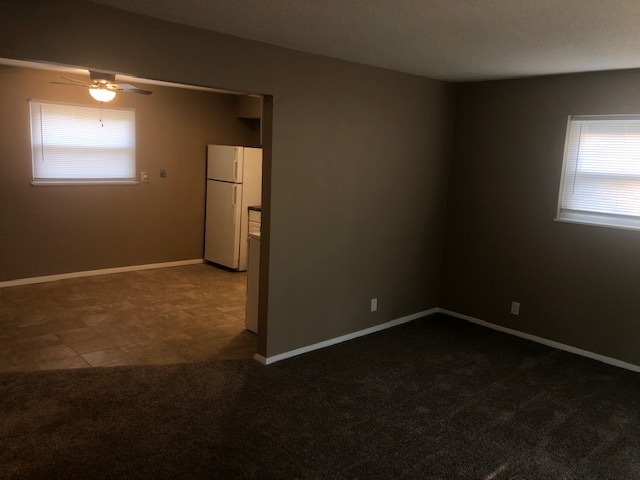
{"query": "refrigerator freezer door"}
pixel 225 163
pixel 252 173
pixel 222 231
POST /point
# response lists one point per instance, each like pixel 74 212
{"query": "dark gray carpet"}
pixel 436 398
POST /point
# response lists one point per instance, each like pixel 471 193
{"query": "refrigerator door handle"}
pixel 235 170
pixel 234 197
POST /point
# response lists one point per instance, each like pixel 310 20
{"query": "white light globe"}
pixel 102 94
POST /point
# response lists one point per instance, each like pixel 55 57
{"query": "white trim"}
pixel 527 336
pixel 544 341
pixel 343 338
pixel 68 183
pixel 259 358
pixel 599 221
pixel 91 273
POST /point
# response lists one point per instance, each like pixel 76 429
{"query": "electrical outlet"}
pixel 374 304
pixel 515 308
pixel 144 177
pixel 163 173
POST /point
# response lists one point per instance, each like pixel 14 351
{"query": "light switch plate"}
pixel 515 308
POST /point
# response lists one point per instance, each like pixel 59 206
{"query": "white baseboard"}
pixel 103 271
pixel 343 338
pixel 545 341
pixel 259 358
pixel 333 341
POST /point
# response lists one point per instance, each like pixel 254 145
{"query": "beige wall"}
pixel 356 169
pixel 50 230
pixel 577 284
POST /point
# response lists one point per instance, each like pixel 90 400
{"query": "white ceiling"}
pixel 457 40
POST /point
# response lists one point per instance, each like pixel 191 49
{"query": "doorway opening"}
pixel 189 311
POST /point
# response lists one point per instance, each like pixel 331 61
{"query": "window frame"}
pixel 598 219
pixel 47 182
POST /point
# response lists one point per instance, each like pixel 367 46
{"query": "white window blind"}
pixel 601 172
pixel 82 144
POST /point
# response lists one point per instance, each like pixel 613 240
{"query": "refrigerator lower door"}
pixel 222 230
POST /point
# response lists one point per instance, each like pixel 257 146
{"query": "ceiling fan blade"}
pixel 70 84
pixel 139 91
pixel 128 88
pixel 79 82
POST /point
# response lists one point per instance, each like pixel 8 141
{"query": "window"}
pixel 601 172
pixel 74 144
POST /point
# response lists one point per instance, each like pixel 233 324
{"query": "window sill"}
pixel 67 183
pixel 599 220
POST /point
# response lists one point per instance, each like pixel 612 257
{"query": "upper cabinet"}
pixel 249 107
pixel 249 110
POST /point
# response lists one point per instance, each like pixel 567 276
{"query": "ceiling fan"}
pixel 103 86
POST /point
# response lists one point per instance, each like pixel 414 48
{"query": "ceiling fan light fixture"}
pixel 102 93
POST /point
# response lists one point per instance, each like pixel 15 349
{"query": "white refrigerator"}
pixel 234 183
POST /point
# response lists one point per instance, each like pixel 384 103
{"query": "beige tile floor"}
pixel 172 315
